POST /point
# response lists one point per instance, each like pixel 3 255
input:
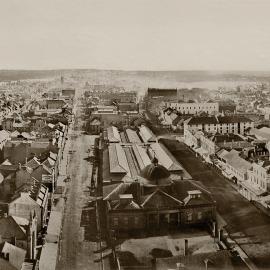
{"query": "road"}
pixel 75 251
pixel 246 224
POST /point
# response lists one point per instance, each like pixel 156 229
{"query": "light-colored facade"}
pixel 223 125
pixel 194 108
pixel 236 167
pixel 258 181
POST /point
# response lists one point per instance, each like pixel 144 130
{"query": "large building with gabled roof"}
pixel 156 200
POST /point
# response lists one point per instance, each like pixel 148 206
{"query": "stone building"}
pixel 155 200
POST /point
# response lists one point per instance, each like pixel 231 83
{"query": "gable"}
pixel 160 199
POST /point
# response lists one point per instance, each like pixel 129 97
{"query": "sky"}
pixel 135 34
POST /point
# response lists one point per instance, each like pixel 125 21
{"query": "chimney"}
pixel 125 198
pixel 186 248
pixel 137 188
pixel 20 166
pixel 14 241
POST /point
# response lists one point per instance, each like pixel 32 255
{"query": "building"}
pixel 21 232
pixel 94 125
pixel 11 257
pixel 169 93
pixel 103 109
pixel 68 92
pixel 154 200
pixel 236 124
pixel 29 199
pixel 258 181
pixel 126 97
pixel 113 135
pixel 146 134
pixel 194 107
pixel 236 167
pixel 55 104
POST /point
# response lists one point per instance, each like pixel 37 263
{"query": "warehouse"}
pixel 146 134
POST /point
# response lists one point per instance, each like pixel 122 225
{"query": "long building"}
pixel 236 124
pixel 193 108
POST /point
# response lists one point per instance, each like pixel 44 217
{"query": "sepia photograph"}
pixel 135 135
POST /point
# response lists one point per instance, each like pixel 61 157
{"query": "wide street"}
pixel 75 252
pixel 246 224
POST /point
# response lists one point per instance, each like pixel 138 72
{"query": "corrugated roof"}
pixel 113 134
pixel 118 160
pixel 141 156
pixel 164 157
pixel 146 134
pixel 132 136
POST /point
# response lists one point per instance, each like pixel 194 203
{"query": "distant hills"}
pixel 139 80
pixel 188 76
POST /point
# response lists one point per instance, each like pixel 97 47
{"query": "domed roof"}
pixel 156 174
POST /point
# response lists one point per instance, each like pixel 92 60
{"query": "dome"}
pixel 156 174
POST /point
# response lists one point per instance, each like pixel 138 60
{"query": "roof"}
pixel 112 192
pixel 221 153
pixel 118 160
pixel 132 136
pixel 237 162
pixel 33 163
pixel 4 135
pixel 10 228
pixel 141 156
pixel 113 134
pixel 156 174
pixel 146 134
pixel 233 119
pixel 197 120
pixel 165 158
pixel 16 254
pixel 216 260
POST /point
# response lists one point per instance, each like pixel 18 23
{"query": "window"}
pixel 136 220
pixel 189 216
pixel 115 221
pixel 126 220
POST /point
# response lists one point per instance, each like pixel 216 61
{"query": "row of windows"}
pixel 190 216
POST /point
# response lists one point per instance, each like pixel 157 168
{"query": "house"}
pixel 45 175
pixel 4 137
pixel 236 167
pixel 11 257
pixel 94 125
pixel 29 199
pixel 7 123
pixel 20 232
pixel 23 176
pixel 258 181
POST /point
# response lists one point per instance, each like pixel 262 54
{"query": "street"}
pixel 245 223
pixel 75 252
